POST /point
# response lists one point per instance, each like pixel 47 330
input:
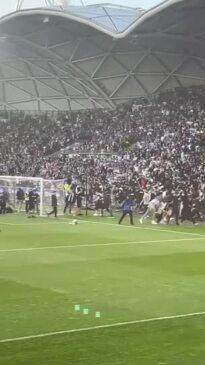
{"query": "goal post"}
pixel 9 186
pixel 48 187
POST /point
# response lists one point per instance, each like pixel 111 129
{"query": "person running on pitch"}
pixel 161 212
pixel 145 201
pixel 151 210
pixel 127 208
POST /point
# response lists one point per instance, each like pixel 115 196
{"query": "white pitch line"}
pixel 99 244
pixel 103 326
pixel 32 224
pixel 105 223
pixel 145 228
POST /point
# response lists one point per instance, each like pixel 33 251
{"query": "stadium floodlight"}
pixel 45 188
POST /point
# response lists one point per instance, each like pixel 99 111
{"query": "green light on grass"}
pixel 77 307
pixel 85 311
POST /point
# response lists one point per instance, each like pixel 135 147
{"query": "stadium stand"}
pixel 102 115
pixel 94 61
pixel 162 140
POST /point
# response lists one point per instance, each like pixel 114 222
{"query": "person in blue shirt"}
pixel 127 208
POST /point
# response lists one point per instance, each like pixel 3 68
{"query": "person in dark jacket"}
pixel 187 213
pixel 106 205
pixel 26 203
pixel 79 196
pixel 31 204
pixel 54 204
pixel 20 199
pixel 127 208
pixel 2 204
pixel 174 208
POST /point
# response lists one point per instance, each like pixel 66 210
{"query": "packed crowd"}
pixel 25 141
pixel 148 143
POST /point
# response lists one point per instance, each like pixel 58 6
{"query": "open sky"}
pixel 7 6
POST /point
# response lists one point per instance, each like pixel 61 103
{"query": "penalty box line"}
pixel 102 244
pixel 104 326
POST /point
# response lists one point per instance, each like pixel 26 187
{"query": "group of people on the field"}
pixel 74 193
pixel 102 202
pixel 158 204
pixel 162 208
pixel 28 201
pixel 176 205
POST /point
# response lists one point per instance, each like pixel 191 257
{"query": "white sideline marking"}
pixel 105 223
pixel 118 324
pixel 32 224
pixel 145 228
pixel 99 244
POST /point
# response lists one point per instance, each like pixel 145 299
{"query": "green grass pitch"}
pixel 128 274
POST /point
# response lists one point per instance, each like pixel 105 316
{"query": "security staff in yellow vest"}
pixel 67 189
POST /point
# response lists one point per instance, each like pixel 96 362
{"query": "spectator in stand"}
pixel 143 145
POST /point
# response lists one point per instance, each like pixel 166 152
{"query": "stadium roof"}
pixel 59 58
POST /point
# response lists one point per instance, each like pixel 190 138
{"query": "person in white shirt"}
pixel 98 200
pixel 160 213
pixel 145 200
pixel 153 206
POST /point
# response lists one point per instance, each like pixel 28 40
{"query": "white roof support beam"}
pixel 19 88
pixel 139 62
pixel 49 104
pixel 20 101
pixel 62 85
pixel 34 85
pixel 174 72
pixel 19 4
pixel 57 58
pixel 72 66
pixel 169 36
pixel 56 76
pixel 166 67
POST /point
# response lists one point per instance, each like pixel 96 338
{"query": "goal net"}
pixel 9 185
